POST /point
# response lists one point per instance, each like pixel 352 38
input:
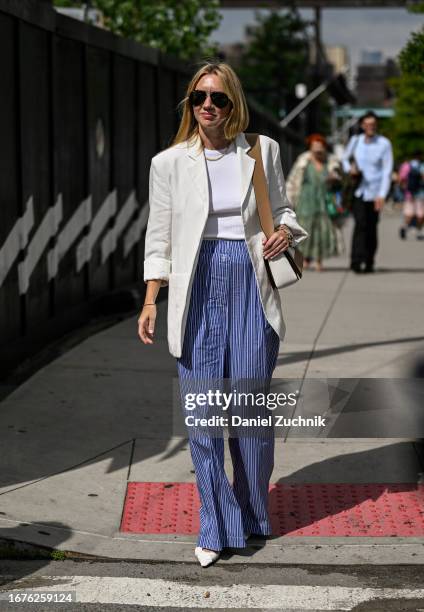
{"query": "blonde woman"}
pixel 225 321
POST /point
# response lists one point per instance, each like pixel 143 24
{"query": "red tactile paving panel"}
pixel 295 509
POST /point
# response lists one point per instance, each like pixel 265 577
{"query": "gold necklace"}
pixel 218 157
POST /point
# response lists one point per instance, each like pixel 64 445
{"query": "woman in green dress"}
pixel 308 185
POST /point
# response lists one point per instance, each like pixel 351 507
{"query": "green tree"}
pixel 179 28
pixel 406 129
pixel 416 8
pixel 275 59
pixel 412 55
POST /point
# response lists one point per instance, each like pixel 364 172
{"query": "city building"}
pixel 232 53
pixel 338 57
pixel 371 57
pixel 372 80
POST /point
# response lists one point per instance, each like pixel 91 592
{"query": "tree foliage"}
pixel 411 57
pixel 417 8
pixel 179 28
pixel 407 127
pixel 275 59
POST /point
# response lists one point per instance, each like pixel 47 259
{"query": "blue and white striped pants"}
pixel 228 336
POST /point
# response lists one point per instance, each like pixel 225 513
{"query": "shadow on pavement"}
pixel 347 348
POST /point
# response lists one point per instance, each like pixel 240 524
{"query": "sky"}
pixel 386 30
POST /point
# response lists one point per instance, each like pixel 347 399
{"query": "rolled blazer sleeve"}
pixel 157 248
pixel 282 210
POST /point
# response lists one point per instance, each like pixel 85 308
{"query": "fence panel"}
pixel 98 81
pixel 11 229
pixel 123 164
pixel 36 176
pixel 70 170
pixel 167 101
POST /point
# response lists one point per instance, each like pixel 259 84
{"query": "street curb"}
pixel 278 551
pixel 18 550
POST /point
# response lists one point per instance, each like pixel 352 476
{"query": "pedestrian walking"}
pixel 309 189
pixel 411 178
pixel 225 320
pixel 368 156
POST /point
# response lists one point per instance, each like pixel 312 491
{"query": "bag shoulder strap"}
pixel 355 145
pixel 260 185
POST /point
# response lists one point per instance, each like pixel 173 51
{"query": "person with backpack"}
pixel 411 177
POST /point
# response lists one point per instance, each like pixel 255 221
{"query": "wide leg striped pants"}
pixel 227 336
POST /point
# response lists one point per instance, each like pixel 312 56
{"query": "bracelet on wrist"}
pixel 151 304
pixel 288 233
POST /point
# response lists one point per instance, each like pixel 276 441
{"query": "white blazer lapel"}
pixel 197 173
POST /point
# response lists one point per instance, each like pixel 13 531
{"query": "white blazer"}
pixel 179 208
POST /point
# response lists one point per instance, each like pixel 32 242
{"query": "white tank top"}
pixel 224 182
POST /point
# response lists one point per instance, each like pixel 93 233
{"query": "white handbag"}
pixel 286 268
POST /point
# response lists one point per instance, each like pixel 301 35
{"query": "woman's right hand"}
pixel 146 323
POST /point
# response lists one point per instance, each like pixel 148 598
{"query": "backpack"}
pixel 414 179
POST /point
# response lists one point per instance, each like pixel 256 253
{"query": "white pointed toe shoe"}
pixel 205 557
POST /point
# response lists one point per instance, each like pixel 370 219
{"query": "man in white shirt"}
pixel 373 160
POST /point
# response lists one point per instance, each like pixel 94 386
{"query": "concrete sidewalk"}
pixel 99 416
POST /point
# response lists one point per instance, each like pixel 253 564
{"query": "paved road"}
pixel 140 586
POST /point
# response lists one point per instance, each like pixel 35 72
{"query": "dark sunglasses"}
pixel 219 98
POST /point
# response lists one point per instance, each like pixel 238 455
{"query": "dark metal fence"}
pixel 81 114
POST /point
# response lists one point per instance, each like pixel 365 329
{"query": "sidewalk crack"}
pixel 317 337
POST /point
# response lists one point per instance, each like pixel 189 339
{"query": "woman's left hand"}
pixel 275 244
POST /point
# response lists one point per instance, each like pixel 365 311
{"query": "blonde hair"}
pixel 238 117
